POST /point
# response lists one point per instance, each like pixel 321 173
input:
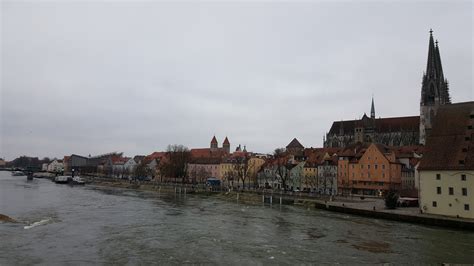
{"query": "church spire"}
pixel 431 65
pixel 434 89
pixel 372 109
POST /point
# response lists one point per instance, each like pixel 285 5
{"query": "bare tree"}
pixel 175 166
pixel 281 162
pixel 241 169
pixel 141 170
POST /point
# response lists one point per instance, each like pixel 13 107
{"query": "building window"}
pixel 464 191
pixel 368 166
pixel 466 207
pixel 383 166
pixel 438 190
pixel 451 191
pixel 361 166
pixel 435 204
pixel 463 177
pixel 375 166
pixel 383 175
pixel 438 177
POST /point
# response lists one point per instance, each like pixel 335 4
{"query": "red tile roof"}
pixel 155 155
pixel 207 152
pixel 450 145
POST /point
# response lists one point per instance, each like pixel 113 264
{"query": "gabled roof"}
pixel 450 145
pixel 214 140
pixel 295 144
pixel 154 156
pixel 138 158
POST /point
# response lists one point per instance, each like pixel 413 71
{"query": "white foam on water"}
pixel 35 224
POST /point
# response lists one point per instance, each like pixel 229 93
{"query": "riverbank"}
pixel 369 207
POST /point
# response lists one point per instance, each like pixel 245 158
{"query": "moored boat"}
pixel 18 173
pixel 78 181
pixel 62 179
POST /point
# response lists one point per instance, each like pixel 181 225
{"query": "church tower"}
pixel 226 145
pixel 434 90
pixel 214 144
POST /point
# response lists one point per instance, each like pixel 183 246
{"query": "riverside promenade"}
pixel 354 205
pixel 375 208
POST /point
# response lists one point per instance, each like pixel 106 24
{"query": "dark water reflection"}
pixel 87 225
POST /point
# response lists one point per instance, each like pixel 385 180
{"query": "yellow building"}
pixel 448 193
pixel 255 164
pixel 310 174
pixel 226 170
pixel 447 167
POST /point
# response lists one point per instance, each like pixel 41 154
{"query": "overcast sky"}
pixel 94 77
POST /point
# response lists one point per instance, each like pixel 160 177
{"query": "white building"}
pixel 56 166
pixel 447 167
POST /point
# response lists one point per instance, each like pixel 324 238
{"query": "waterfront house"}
pixel 368 169
pixel 296 176
pixel 129 166
pixel 201 168
pixel 447 167
pixel 55 166
pixel 310 173
pixel 327 176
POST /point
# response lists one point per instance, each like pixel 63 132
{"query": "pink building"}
pixel 200 169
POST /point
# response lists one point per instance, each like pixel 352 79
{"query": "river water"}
pixel 92 225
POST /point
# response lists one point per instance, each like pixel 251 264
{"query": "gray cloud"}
pixel 93 77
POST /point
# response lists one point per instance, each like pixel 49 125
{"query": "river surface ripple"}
pixel 62 224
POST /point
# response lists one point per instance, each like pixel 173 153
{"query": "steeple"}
pixel 434 89
pixel 431 64
pixel 372 109
pixel 214 143
pixel 226 145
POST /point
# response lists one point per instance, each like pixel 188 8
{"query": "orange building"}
pixel 368 169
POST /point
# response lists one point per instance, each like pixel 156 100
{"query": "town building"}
pixel 327 176
pixel 295 148
pixel 368 169
pixel 310 173
pixel 55 166
pixel 201 168
pixel 398 131
pixel 295 176
pixel 447 167
pixel 2 163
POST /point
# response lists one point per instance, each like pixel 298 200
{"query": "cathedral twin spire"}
pixel 434 86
